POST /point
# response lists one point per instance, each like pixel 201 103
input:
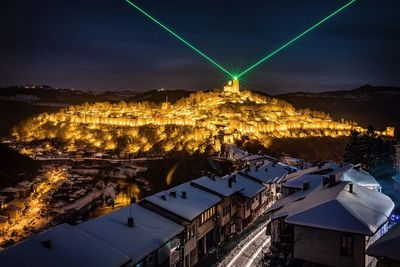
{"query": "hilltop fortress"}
pixel 203 121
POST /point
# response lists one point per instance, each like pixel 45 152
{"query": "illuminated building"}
pixel 232 87
pixel 203 121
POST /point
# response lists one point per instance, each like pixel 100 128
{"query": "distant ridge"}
pixel 368 105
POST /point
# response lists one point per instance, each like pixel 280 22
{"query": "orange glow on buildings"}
pixel 200 122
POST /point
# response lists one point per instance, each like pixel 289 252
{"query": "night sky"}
pixel 108 45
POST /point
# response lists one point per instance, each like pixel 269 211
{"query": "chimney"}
pixel 325 180
pixel 332 180
pixel 234 178
pixel 351 188
pixel 46 243
pixel 266 169
pixel 163 197
pixel 306 185
pixel 183 194
pixel 212 176
pixel 230 182
pixel 172 194
pixel 131 222
pixel 357 167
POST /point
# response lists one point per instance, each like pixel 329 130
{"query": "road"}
pixel 247 253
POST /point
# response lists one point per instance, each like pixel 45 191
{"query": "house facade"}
pixel 332 225
pixel 196 210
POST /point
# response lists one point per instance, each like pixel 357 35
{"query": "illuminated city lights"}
pixel 32 216
pixel 202 122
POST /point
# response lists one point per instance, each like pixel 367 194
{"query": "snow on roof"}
pixel 150 232
pixel 314 180
pixel 258 158
pixel 253 157
pixel 284 206
pixel 218 185
pixel 235 152
pixel 387 246
pixel 267 172
pixel 334 208
pixel 298 173
pixel 340 169
pixel 250 187
pixel 69 247
pixel 197 201
pixel 360 177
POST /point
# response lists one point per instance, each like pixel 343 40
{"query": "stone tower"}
pixel 232 87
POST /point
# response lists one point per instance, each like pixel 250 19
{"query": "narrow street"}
pixel 248 251
pixel 245 249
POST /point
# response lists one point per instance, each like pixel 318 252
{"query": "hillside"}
pixel 18 103
pixel 368 105
pixel 15 167
pixel 200 122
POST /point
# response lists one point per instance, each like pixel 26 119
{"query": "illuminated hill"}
pixel 200 122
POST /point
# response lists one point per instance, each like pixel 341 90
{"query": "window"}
pixel 226 210
pixel 190 232
pixel 208 214
pixel 346 246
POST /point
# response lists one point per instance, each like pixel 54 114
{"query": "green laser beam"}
pixel 179 38
pixel 293 40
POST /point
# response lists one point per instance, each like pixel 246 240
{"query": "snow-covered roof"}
pixel 340 169
pixel 314 180
pixel 284 206
pixel 267 172
pixel 253 157
pixel 67 246
pixel 250 187
pixel 150 232
pixel 387 246
pixel 218 185
pixel 196 202
pixel 360 177
pixel 235 153
pixel 298 173
pixel 257 158
pixel 334 208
